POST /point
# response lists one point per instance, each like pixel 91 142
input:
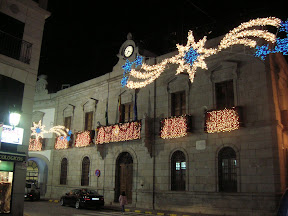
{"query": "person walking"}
pixel 123 201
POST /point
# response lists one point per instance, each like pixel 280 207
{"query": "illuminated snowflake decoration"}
pixel 192 56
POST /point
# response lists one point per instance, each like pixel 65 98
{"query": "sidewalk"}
pixel 155 212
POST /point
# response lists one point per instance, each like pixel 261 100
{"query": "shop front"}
pixel 7 173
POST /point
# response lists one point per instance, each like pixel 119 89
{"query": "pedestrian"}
pixel 123 201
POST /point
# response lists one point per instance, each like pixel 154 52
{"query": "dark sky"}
pixel 82 38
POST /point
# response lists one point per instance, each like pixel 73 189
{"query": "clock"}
pixel 128 51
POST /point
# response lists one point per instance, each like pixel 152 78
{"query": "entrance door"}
pixel 124 176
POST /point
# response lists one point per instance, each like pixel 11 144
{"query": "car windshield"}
pixel 90 192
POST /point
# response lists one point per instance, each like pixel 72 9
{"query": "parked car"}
pixel 82 198
pixel 32 192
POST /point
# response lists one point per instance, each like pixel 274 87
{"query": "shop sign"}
pixel 12 157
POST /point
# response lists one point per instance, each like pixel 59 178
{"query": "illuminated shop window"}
pixel 6 180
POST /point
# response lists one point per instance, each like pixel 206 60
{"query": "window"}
pixel 67 122
pixel 224 94
pixel 178 103
pixel 227 172
pixel 88 121
pixel 63 173
pixel 32 171
pixel 126 112
pixel 85 171
pixel 178 171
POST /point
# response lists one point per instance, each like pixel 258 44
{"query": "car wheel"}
pixel 62 203
pixel 77 204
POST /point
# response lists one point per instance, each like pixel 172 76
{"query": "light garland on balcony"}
pixel 83 139
pixel 192 55
pixel 119 132
pixel 35 144
pixel 174 127
pixel 225 120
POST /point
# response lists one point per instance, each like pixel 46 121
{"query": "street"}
pixel 45 208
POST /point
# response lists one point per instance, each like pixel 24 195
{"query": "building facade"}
pixel 217 145
pixel 21 28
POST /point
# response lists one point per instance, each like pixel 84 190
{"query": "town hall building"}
pixel 214 146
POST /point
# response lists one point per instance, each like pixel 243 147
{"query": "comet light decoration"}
pixel 38 131
pixel 191 56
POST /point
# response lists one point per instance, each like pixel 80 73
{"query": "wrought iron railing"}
pixel 15 48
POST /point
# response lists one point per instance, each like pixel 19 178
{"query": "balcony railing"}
pixel 15 48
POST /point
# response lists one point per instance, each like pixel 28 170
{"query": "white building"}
pixel 241 172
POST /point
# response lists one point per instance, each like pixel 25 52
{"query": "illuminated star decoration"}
pixel 191 56
pixel 38 130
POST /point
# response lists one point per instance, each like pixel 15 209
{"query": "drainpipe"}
pixel 153 147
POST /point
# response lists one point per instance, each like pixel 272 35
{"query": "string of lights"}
pixel 191 56
pixel 174 127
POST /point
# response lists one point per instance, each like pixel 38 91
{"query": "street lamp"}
pixel 14 116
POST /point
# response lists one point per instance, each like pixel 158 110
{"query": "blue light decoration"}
pixel 191 56
pixel 38 130
pixel 128 66
pixel 281 45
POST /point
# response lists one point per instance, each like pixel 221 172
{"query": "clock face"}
pixel 128 51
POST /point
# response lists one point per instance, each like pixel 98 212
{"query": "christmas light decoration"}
pixel 38 131
pixel 119 132
pixel 222 120
pixel 192 55
pixel 174 127
pixel 35 144
pixel 83 139
pixel 61 143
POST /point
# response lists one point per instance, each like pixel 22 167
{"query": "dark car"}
pixel 31 191
pixel 82 198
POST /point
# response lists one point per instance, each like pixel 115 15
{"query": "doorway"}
pixel 124 176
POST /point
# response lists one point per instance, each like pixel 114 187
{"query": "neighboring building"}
pixel 241 172
pixel 21 29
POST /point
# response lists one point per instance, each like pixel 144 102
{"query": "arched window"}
pixel 85 171
pixel 178 171
pixel 63 172
pixel 227 172
pixel 32 171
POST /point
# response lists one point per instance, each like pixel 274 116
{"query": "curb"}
pixel 157 213
pixel 136 211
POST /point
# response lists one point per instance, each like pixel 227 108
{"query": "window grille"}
pixel 227 171
pixel 178 171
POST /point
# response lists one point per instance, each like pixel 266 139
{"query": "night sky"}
pixel 82 38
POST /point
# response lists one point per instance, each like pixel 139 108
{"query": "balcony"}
pixel 225 120
pixel 15 48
